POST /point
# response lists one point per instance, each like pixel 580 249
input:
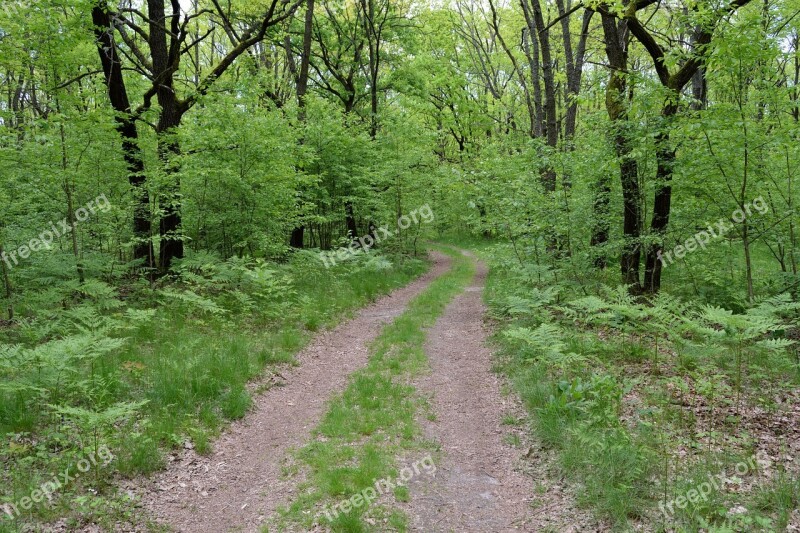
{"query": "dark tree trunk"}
pixel 126 126
pixel 535 18
pixel 574 68
pixel 531 48
pixel 665 155
pixel 9 291
pixel 699 89
pixel 297 237
pixel 165 62
pixel 373 30
pixel 350 220
pixel 600 209
pixel 305 60
pixel 170 229
pixel 616 41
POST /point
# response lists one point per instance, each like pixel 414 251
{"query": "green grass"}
pixel 189 364
pixel 612 408
pixel 372 422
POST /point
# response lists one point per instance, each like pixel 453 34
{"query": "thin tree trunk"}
pixel 533 63
pixel 520 72
pixel 67 186
pixel 791 208
pixel 665 156
pixel 699 89
pixel 297 238
pixel 9 290
pixel 533 12
pixel 601 227
pixel 374 43
pixel 574 63
pixel 350 220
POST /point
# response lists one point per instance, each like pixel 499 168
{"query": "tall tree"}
pixel 168 41
pixel 126 126
pixel 538 30
pixel 301 83
pixel 617 41
pixel 674 83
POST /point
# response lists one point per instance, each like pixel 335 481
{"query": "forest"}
pixel 399 265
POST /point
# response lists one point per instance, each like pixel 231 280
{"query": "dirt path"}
pixel 240 483
pixel 479 485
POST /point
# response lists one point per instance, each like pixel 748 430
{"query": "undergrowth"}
pixel 644 399
pixel 140 370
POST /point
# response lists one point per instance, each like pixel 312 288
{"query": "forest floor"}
pixel 485 474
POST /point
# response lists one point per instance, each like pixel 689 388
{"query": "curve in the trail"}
pixel 240 483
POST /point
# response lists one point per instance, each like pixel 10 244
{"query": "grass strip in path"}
pixel 373 421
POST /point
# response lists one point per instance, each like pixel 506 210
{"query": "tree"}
pixel 158 54
pixel 673 83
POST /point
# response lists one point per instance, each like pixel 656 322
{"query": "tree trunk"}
pixel 374 44
pixel 533 13
pixel 305 60
pixel 531 48
pixel 164 64
pixel 665 154
pixel 9 291
pixel 616 40
pixel 600 210
pixel 296 240
pixel 170 229
pixel 665 157
pixel 126 127
pixel 574 63
pixel 350 220
pixel 699 89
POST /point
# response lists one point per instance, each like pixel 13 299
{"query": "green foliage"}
pixel 166 366
pixel 612 414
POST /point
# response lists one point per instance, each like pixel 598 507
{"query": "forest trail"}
pixel 240 484
pixel 482 483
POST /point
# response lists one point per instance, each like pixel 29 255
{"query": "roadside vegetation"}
pixel 650 400
pixel 147 370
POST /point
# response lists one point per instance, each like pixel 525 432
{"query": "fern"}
pixel 192 301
